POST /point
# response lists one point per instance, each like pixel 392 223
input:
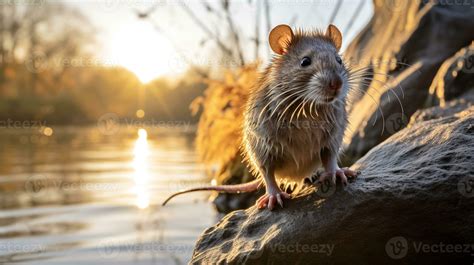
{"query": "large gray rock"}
pixel 414 199
pixel 410 47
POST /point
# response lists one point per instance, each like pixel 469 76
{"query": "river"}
pixel 79 195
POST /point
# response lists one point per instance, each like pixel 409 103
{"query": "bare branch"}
pixel 293 20
pixel 335 11
pixel 267 18
pixel 210 34
pixel 257 29
pixel 233 31
pixel 354 17
pixel 211 10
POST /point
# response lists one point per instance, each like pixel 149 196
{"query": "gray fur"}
pixel 290 125
pixel 288 122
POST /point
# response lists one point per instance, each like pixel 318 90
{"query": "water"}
pixel 85 196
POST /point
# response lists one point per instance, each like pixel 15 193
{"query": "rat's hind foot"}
pixel 341 173
pixel 270 199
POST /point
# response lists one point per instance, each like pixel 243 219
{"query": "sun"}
pixel 141 49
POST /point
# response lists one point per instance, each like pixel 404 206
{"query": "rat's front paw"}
pixel 342 173
pixel 271 198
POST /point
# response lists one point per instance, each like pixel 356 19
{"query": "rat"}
pixel 296 116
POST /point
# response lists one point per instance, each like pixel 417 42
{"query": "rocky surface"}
pixel 449 108
pixel 413 204
pixel 419 54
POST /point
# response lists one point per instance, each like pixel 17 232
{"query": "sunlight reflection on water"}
pixel 141 177
pixel 84 197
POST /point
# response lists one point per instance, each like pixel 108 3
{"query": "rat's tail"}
pixel 238 188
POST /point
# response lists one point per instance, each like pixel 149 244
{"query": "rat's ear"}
pixel 279 38
pixel 335 35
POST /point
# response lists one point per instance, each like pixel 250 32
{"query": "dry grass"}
pixel 219 132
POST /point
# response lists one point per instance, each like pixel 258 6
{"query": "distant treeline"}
pixel 83 95
pixel 48 73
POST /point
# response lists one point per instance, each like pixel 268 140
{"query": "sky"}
pixel 156 47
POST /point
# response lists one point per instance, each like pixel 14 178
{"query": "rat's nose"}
pixel 335 83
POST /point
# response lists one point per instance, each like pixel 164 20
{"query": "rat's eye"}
pixel 338 59
pixel 305 61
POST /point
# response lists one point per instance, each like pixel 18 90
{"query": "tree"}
pixel 44 38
